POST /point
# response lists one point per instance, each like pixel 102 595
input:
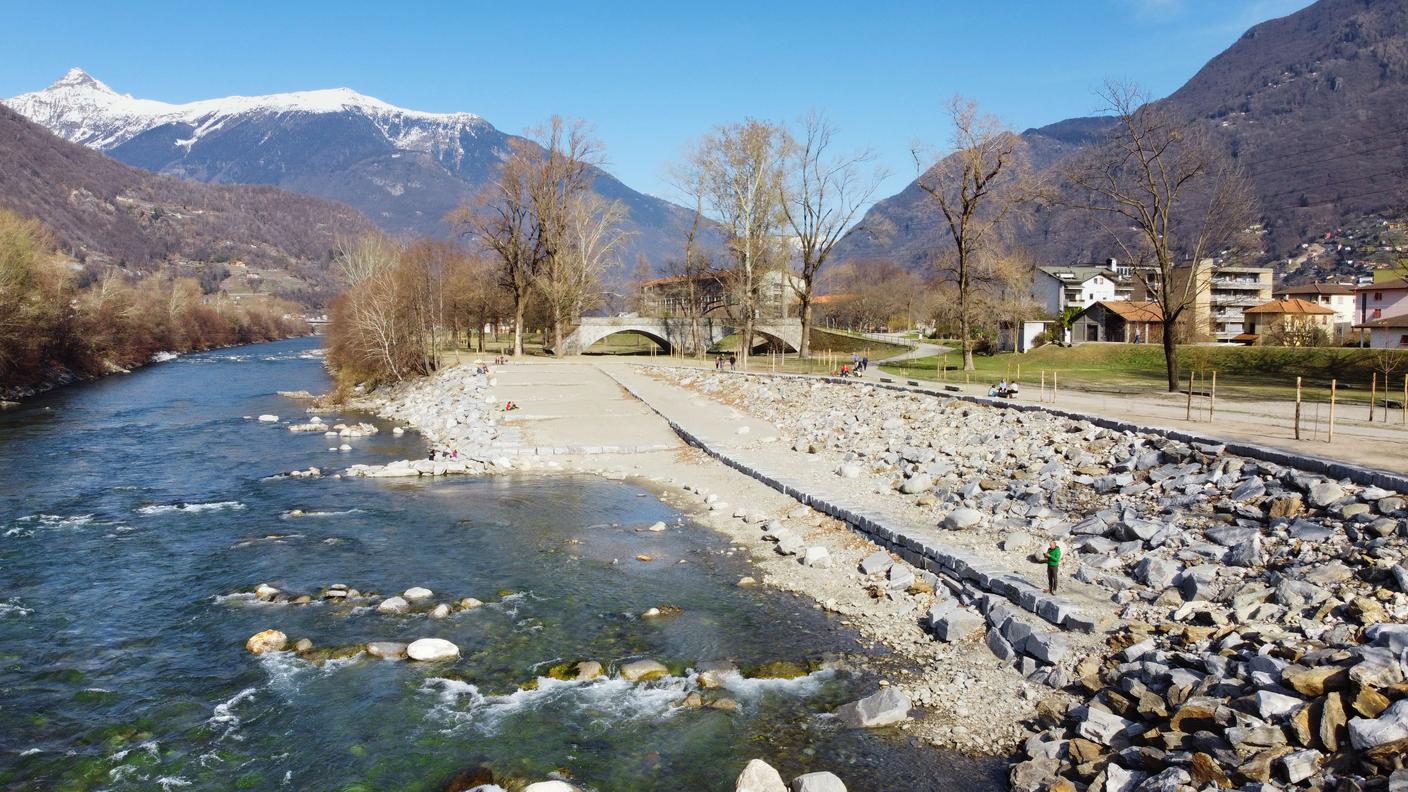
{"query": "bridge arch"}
pixel 607 332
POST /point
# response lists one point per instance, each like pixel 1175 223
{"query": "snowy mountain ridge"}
pixel 82 109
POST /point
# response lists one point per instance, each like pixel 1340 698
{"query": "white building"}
pixel 1057 288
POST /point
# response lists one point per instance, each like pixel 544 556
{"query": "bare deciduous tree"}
pixel 824 193
pixel 739 168
pixel 591 239
pixel 521 217
pixel 978 189
pixel 1167 194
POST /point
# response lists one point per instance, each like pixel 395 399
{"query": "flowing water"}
pixel 134 509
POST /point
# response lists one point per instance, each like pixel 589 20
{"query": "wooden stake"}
pixel 1297 408
pixel 1188 413
pixel 1373 394
pixel 1330 433
pixel 1405 399
pixel 1043 386
pixel 1053 387
pixel 1212 397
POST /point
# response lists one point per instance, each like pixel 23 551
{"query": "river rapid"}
pixel 134 509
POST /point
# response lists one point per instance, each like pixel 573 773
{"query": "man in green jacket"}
pixel 1053 562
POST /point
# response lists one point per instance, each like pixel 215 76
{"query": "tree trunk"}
pixel 963 329
pixel 1171 357
pixel 747 339
pixel 805 349
pixel 557 336
pixel 520 306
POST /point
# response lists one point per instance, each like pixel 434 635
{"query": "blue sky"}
pixel 651 76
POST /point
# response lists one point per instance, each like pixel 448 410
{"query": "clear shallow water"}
pixel 131 508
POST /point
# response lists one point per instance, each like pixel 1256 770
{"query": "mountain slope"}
pixel 405 169
pixel 1312 105
pixel 105 212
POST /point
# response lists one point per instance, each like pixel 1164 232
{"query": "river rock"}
pixel 818 782
pixel 878 561
pixel 1325 493
pixel 440 611
pixel 714 674
pixel 879 709
pixel 817 557
pixel 959 519
pixel 469 603
pixel 587 670
pixel 268 419
pixel 417 593
pixel 759 776
pixel 387 650
pixel 266 641
pixel 265 592
pixel 643 670
pixel 550 786
pixel 432 649
pixel 393 605
pixel 917 483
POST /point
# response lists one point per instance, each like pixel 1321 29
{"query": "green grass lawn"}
pixel 1247 372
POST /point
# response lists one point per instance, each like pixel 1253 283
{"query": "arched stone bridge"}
pixel 676 334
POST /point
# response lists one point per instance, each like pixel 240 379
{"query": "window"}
pixel 1378 313
pixel 1378 296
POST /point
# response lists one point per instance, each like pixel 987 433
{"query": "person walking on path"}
pixel 1053 563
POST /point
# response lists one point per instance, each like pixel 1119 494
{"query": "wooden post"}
pixel 1212 396
pixel 1330 434
pixel 1053 387
pixel 1373 394
pixel 1188 413
pixel 1043 386
pixel 1405 399
pixel 1297 408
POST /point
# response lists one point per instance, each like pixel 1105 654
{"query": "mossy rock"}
pixel 564 672
pixel 780 669
pixel 321 655
pixel 531 684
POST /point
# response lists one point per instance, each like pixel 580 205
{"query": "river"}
pixel 134 509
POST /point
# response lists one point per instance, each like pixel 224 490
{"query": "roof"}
pixel 701 276
pixel 1080 274
pixel 1396 283
pixel 1397 320
pixel 827 299
pixel 1291 306
pixel 1132 311
pixel 1317 288
pixel 1245 338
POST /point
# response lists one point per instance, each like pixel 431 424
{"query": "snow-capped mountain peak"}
pixel 82 109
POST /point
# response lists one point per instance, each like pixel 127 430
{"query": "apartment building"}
pixel 1338 297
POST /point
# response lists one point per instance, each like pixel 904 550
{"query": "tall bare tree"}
pixel 521 218
pixel 570 280
pixel 692 271
pixel 740 169
pixel 978 189
pixel 1167 194
pixel 823 193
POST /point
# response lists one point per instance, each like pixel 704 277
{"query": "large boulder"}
pixel 818 782
pixel 550 786
pixel 1157 573
pixel 956 625
pixel 393 605
pixel 415 593
pixel 432 649
pixel 1392 725
pixel 266 641
pixel 387 650
pixel 962 518
pixel 817 557
pixel 879 709
pixel 759 776
pixel 643 670
pixel 878 561
pixel 1324 493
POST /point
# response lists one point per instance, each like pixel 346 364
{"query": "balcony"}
pixel 1238 283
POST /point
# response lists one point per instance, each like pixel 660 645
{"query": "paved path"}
pixel 919 351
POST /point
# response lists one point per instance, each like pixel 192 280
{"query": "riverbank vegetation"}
pixel 58 323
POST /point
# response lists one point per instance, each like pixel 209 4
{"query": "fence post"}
pixel 1334 386
pixel 1297 408
pixel 1373 394
pixel 1188 413
pixel 1212 397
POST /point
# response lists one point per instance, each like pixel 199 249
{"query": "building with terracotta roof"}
pixel 708 293
pixel 1289 322
pixel 1338 297
pixel 1119 321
